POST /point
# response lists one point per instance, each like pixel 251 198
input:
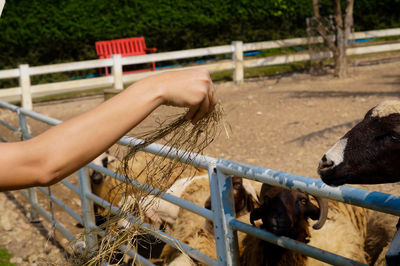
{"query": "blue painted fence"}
pixel 225 224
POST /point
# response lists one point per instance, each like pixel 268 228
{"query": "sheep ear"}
pixel 207 204
pixel 104 162
pixel 255 215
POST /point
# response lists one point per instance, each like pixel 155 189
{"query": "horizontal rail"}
pixel 194 159
pixel 32 114
pixel 373 49
pixel 356 196
pixel 8 126
pixel 74 215
pixel 10 92
pixel 70 186
pixel 81 84
pixel 294 245
pixel 175 55
pixel 73 66
pixel 9 73
pixel 48 217
pixel 375 33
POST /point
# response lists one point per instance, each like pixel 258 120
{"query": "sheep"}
pixel 160 213
pixel 343 233
pixel 368 154
pixel 196 231
pixel 112 190
pixel 284 213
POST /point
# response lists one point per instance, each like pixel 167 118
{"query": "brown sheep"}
pixel 284 213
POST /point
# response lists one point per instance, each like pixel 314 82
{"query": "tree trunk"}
pixel 341 45
pixel 321 29
pixel 343 31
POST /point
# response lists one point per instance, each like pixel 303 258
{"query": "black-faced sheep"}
pixel 368 154
pixel 284 213
pixel 198 232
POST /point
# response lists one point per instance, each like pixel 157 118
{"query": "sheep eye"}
pixel 395 137
pixel 303 201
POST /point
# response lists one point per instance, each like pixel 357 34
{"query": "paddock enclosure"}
pixel 284 122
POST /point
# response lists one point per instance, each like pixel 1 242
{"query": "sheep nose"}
pixel 325 164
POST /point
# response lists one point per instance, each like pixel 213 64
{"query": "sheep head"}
pixel 95 176
pixel 285 212
pixel 369 152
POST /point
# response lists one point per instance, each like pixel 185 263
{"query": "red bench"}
pixel 124 47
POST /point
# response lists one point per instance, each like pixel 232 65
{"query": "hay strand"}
pixel 155 172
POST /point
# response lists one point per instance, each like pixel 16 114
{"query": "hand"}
pixel 186 88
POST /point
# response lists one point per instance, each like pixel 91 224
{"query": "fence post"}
pixel 34 215
pixel 237 57
pixel 25 84
pixel 87 211
pixel 223 210
pixel 117 71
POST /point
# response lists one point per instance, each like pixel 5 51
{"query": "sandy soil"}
pixel 284 122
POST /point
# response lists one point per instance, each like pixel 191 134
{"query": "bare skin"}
pixel 63 149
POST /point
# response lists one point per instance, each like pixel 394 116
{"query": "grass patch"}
pixel 5 258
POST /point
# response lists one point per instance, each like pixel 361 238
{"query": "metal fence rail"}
pixel 222 215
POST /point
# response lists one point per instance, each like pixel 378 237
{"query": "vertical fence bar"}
pixel 222 208
pixel 23 125
pixel 393 254
pixel 237 57
pixel 117 71
pixel 25 84
pixel 228 209
pixel 217 216
pixel 87 210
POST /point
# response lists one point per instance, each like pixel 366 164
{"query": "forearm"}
pixel 65 148
pixel 61 150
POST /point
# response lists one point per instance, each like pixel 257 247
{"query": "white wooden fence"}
pixel 26 91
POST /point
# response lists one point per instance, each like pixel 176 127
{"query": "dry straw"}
pixel 157 172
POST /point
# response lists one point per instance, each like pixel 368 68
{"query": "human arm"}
pixel 61 150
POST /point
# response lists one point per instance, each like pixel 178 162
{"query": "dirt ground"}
pixel 285 122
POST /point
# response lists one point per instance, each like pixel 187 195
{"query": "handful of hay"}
pixel 155 172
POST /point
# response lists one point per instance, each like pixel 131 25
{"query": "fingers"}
pixel 202 111
pixel 192 111
pixel 212 98
pixel 197 112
